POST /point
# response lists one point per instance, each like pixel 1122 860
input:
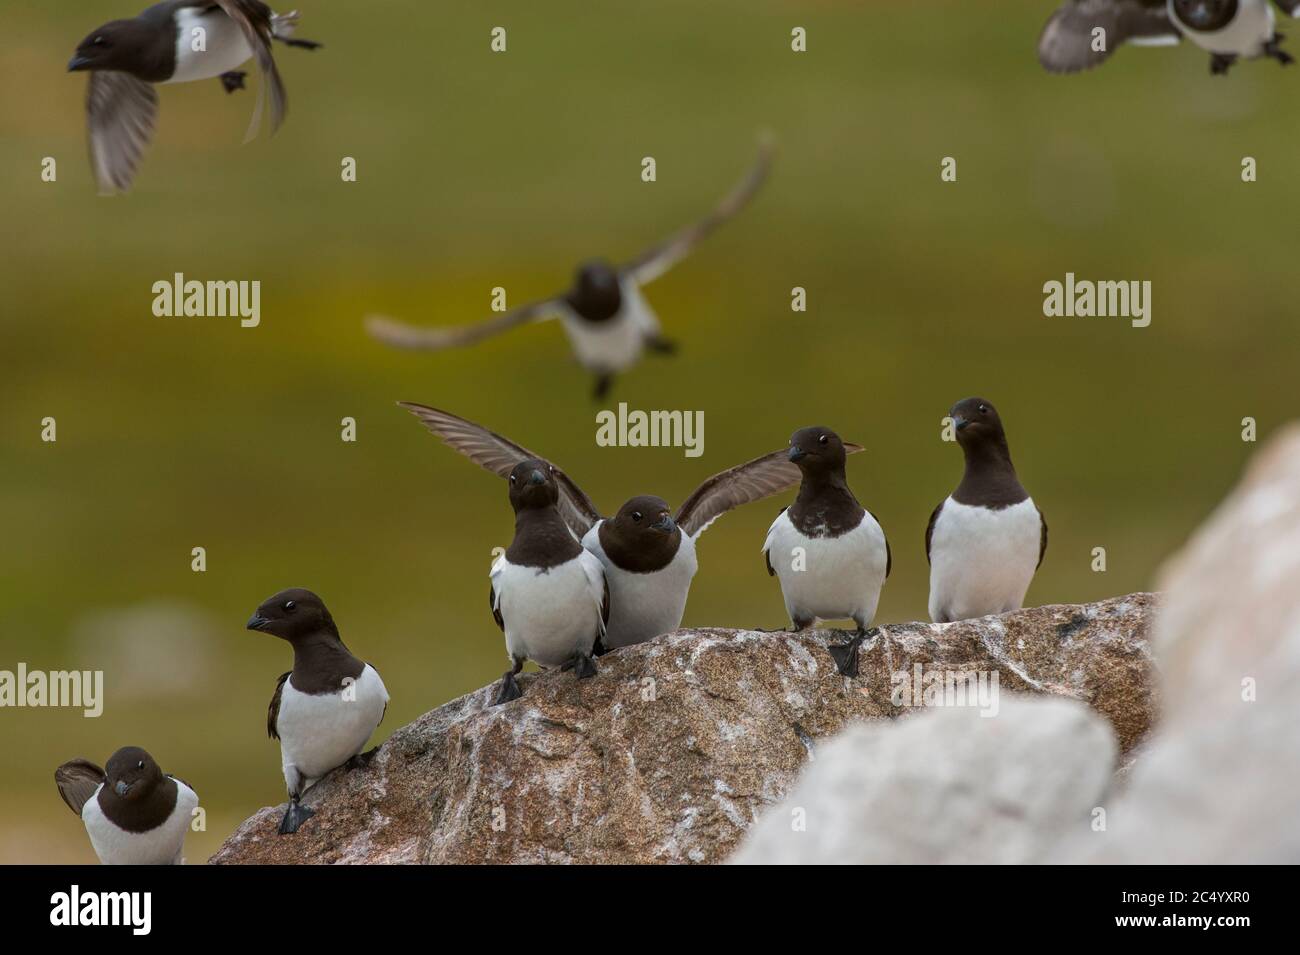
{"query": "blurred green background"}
pixel 478 170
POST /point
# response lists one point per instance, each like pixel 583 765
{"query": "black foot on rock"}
pixel 1219 63
pixel 509 689
pixel 846 655
pixel 294 817
pixel 233 81
pixel 599 650
pixel 583 666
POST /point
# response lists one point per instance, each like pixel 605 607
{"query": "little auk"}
pixel 326 707
pixel 177 41
pixel 648 551
pixel 134 813
pixel 1227 29
pixel 986 539
pixel 829 553
pixel 608 321
pixel 548 594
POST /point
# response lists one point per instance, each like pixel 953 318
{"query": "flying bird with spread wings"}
pixel 608 321
pixel 177 41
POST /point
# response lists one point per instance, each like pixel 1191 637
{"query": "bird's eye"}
pixel 140 765
pixel 289 605
pixel 512 479
pixel 552 468
pixel 822 439
pixel 636 515
pixel 983 410
pixel 98 41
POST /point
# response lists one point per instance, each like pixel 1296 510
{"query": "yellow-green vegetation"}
pixel 478 170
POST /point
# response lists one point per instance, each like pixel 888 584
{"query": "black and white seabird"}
pixel 1228 29
pixel 607 319
pixel 828 551
pixel 134 813
pixel 326 707
pixel 648 552
pixel 984 541
pixel 127 58
pixel 548 593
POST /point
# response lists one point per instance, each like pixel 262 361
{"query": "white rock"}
pixel 944 786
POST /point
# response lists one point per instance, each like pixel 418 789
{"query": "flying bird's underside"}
pixel 1083 34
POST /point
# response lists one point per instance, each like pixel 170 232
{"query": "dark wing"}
pixel 929 528
pixel 179 780
pixel 604 603
pixel 889 557
pixel 657 260
pixel 751 481
pixel 400 335
pixel 273 711
pixel 500 455
pixel 1042 537
pixel 767 558
pixel 1066 45
pixel 1290 6
pixel 77 781
pixel 492 603
pixel 120 115
pixel 254 18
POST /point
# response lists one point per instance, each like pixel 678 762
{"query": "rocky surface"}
pixel 673 750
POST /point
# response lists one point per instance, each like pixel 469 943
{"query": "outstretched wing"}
pixel 1068 43
pixel 273 711
pixel 400 335
pixel 743 484
pixel 657 260
pixel 77 781
pixel 253 18
pixel 120 116
pixel 500 455
pixel 1290 6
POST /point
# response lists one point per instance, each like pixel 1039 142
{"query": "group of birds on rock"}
pixel 575 584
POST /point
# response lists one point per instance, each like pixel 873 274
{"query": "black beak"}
pixel 537 477
pixel 960 422
pixel 797 454
pixel 665 524
pixel 121 788
pixel 258 622
pixel 78 62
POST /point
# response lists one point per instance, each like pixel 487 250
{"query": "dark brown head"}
pixel 595 295
pixel 132 774
pixel 977 425
pixel 118 45
pixel 1205 15
pixel 818 451
pixel 293 614
pixel 642 537
pixel 533 487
